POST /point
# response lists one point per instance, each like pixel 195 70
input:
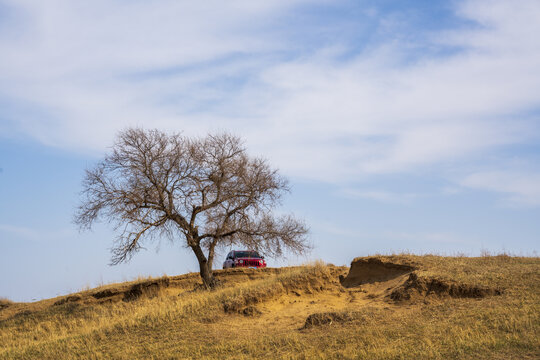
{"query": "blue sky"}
pixel 402 125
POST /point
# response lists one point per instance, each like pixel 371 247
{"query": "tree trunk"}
pixel 211 253
pixel 205 269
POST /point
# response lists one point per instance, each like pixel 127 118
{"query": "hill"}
pixel 382 307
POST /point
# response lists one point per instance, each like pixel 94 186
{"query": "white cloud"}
pixel 75 62
pixel 435 110
pixel 89 69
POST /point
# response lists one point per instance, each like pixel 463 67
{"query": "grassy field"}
pixel 389 307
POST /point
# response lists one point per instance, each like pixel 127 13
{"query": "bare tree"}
pixel 206 191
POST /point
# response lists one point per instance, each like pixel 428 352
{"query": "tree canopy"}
pixel 206 192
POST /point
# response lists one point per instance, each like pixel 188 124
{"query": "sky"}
pixel 403 126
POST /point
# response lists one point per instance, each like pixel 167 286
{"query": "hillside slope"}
pixel 383 307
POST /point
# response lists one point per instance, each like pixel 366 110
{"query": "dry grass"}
pixel 5 302
pixel 263 314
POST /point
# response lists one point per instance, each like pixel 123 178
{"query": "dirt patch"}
pixel 238 303
pixel 148 289
pixel 69 299
pixel 328 318
pixel 302 284
pixel 106 293
pixel 251 311
pixel 421 287
pixel 372 270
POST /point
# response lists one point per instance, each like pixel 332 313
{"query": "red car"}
pixel 244 258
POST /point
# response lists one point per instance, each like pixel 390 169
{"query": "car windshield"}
pixel 246 254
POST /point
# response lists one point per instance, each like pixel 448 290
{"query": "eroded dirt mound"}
pixel 371 270
pixel 400 282
pixel 420 287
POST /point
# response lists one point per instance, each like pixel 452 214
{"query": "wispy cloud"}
pixel 429 237
pixel 34 235
pixel 19 232
pixel 381 195
pixel 405 238
pixel 73 74
pixel 520 188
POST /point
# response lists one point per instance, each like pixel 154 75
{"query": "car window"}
pixel 246 254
